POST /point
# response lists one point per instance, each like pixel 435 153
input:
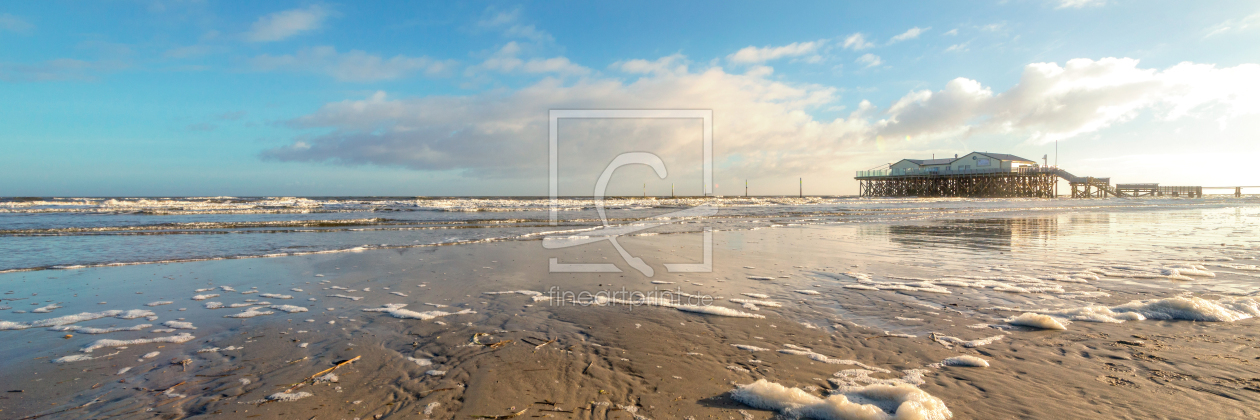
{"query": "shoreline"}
pixel 611 349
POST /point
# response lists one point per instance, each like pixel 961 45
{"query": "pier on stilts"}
pixel 984 174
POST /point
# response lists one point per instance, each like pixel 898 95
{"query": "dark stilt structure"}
pixel 1025 182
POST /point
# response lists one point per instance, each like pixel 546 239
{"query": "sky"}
pixel 204 98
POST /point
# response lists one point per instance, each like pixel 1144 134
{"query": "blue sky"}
pixel 169 98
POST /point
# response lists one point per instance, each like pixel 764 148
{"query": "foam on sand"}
pixel 803 351
pixel 289 396
pixel 159 303
pixel 182 338
pixel 749 348
pixel 716 310
pixel 864 403
pixel 275 296
pixel 204 297
pixel 83 357
pixel 949 341
pixel 965 361
pixel 346 297
pixel 1186 308
pixel 396 310
pixel 1042 321
pixel 179 325
pixel 77 318
pixel 756 295
pixel 250 313
pixel 288 308
pixel 94 330
pixel 46 309
pixel 758 302
pixel 808 292
pixel 214 305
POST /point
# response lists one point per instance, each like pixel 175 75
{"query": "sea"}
pixel 42 233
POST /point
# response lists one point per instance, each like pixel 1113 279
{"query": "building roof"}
pixel 1003 156
pixel 922 162
pixel 946 161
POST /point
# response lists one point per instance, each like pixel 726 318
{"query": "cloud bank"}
pixel 760 124
pixel 281 25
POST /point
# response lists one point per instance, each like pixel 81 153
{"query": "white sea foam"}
pixel 716 310
pixel 518 292
pixel 756 295
pixel 396 310
pixel 204 297
pixel 289 308
pixel 804 351
pixel 84 357
pixel 182 338
pixel 949 341
pixel 179 325
pixel 250 313
pixel 1042 321
pixel 289 397
pixel 159 303
pixel 757 302
pixel 93 330
pixel 763 278
pixel 214 305
pixel 1188 308
pixel 346 297
pixel 275 296
pixel 77 318
pixel 870 402
pixel 749 348
pixel 808 292
pixel 46 309
pixel 965 361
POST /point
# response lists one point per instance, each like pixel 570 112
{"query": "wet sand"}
pixel 500 354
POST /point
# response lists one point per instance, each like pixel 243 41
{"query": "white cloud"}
pixel 354 66
pixel 910 34
pixel 509 23
pixel 15 24
pixel 676 63
pixel 750 54
pixel 1077 4
pixel 503 134
pixel 767 126
pixel 958 47
pixel 857 42
pixel 1235 25
pixel 506 61
pixel 870 60
pixel 284 24
pixel 950 32
pixel 1053 102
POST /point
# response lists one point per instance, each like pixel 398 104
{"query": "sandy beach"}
pixel 876 313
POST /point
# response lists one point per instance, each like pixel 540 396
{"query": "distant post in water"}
pixel 671 191
pixel 801 193
pixel 644 190
pixel 745 188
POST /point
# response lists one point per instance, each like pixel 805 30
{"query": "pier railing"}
pixel 948 171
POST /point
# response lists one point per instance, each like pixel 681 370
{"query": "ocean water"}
pixel 58 233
